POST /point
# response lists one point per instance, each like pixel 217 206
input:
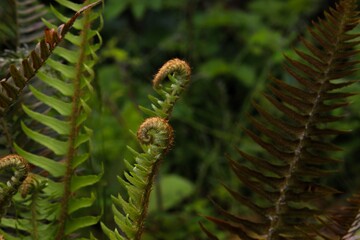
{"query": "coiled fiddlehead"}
pixel 21 169
pixel 156 132
pixel 156 137
pixel 178 72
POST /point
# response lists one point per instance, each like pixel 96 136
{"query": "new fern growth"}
pixel 63 132
pixel 297 145
pixel 21 169
pixel 155 136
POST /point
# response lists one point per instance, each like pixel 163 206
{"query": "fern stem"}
pixel 74 128
pixel 145 200
pixel 158 134
pixel 275 218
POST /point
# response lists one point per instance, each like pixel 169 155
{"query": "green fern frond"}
pixel 63 131
pixel 155 136
pixel 20 75
pixel 297 145
pixel 178 73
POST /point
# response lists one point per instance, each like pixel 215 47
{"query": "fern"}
pixel 297 145
pixel 18 77
pixel 10 188
pixel 65 121
pixel 22 25
pixel 155 136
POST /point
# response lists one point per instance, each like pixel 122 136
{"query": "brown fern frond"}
pixel 342 223
pixel 296 145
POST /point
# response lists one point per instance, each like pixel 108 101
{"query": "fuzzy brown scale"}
pixel 176 66
pixel 151 132
pixel 14 160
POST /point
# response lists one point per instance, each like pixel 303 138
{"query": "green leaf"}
pixel 54 189
pixel 56 169
pixel 78 203
pixel 79 160
pixel 110 234
pixel 62 107
pixel 69 4
pixel 78 182
pixel 57 125
pixel 67 71
pixel 65 88
pixel 67 54
pixel 76 223
pixel 58 147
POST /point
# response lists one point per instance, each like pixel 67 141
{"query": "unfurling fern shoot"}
pixel 156 137
pixel 21 169
pixel 156 132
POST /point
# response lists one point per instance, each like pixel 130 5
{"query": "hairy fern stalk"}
pixel 55 127
pixel 297 149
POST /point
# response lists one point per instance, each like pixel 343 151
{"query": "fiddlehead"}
pixel 21 169
pixel 156 137
pixel 60 130
pixel 175 66
pixel 156 132
pixel 178 72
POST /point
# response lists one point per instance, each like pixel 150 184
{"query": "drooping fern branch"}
pixel 63 130
pixel 297 145
pixel 155 136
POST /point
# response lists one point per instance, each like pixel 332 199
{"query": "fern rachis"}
pixel 63 132
pixel 296 144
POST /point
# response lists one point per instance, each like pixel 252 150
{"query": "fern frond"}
pixel 155 136
pixel 178 73
pixel 19 76
pixel 62 129
pixel 21 169
pixel 28 18
pixel 342 223
pixel 21 23
pixel 297 145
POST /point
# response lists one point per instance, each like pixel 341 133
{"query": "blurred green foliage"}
pixel 233 47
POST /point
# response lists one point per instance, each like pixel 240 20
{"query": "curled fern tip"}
pixel 156 131
pixel 174 66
